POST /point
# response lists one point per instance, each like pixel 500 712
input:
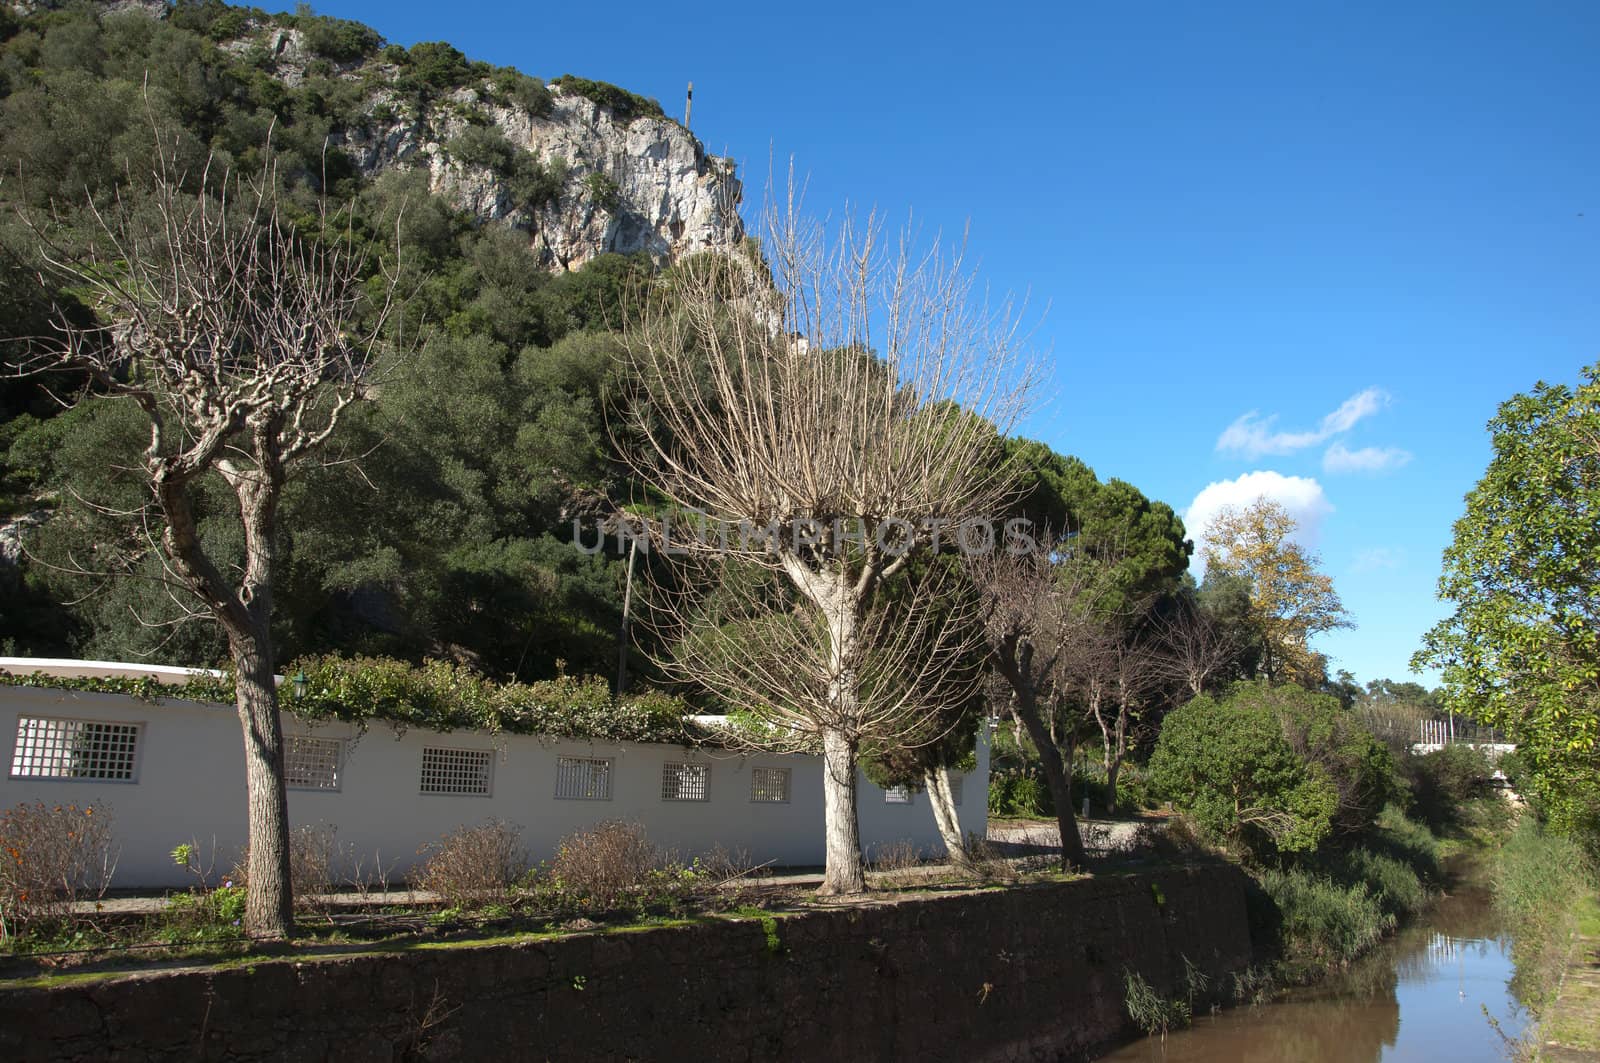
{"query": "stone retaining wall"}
pixel 1028 973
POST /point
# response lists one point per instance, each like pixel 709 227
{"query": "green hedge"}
pixel 435 695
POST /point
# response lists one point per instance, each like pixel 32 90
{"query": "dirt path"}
pixel 1027 837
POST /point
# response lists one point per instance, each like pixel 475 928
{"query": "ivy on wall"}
pixel 435 695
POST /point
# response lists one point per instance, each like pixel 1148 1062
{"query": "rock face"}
pixel 644 184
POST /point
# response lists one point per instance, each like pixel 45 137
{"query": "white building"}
pixel 172 772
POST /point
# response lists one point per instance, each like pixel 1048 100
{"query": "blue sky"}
pixel 1271 211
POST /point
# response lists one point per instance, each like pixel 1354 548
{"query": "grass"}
pixel 1149 1010
pixel 1546 888
pixel 1330 911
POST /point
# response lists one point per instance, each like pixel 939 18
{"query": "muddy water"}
pixel 1428 994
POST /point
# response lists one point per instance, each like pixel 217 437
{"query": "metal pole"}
pixel 627 616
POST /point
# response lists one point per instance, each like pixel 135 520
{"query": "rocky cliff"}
pixel 606 180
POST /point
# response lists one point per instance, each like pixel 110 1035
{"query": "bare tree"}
pixel 243 344
pixel 1127 673
pixel 1034 611
pixel 1191 646
pixel 846 414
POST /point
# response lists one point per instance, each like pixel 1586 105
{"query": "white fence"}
pixel 173 772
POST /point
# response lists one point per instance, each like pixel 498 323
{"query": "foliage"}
pixel 1019 792
pixel 1444 781
pixel 1521 651
pixel 436 695
pixel 445 697
pixel 483 145
pixel 1291 601
pixel 1149 1010
pixel 1231 768
pixel 473 867
pixel 523 91
pixel 450 537
pixel 1332 907
pixel 51 857
pixel 1142 541
pixel 435 65
pixel 625 105
pixel 603 190
pixel 339 39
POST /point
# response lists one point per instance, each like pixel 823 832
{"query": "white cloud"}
pixel 1378 559
pixel 1302 496
pixel 1253 436
pixel 1339 458
pixel 1361 404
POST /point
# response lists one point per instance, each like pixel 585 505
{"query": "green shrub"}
pixel 1272 768
pixel 623 104
pixel 339 40
pixel 523 91
pixel 210 18
pixel 534 183
pixel 436 65
pixel 483 146
pixel 604 191
pixel 1019 792
pixel 1229 766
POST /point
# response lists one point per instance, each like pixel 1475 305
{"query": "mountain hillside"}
pixel 582 168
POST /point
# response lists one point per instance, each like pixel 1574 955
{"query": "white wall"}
pixel 190 787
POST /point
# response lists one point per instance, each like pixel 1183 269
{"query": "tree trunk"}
pixel 942 800
pixel 1113 769
pixel 269 901
pixel 843 873
pixel 1055 776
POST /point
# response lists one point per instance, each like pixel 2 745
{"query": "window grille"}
pixel 957 784
pixel 583 778
pixel 74 749
pixel 685 782
pixel 769 785
pixel 456 771
pixel 897 795
pixel 311 763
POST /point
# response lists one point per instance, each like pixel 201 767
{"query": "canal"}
pixel 1427 994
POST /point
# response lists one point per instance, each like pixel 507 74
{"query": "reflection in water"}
pixel 1420 997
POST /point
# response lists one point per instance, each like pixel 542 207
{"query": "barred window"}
pixel 583 778
pixel 50 748
pixel 957 784
pixel 685 782
pixel 312 763
pixel 456 771
pixel 769 785
pixel 897 795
